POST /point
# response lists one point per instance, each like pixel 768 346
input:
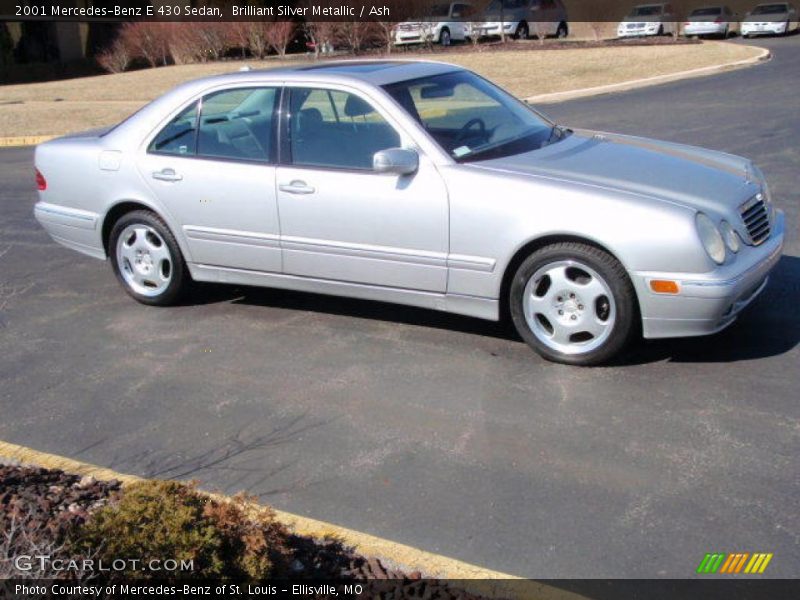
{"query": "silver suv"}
pixel 523 18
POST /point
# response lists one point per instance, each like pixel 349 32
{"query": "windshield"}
pixel 770 9
pixel 646 11
pixel 472 119
pixel 507 5
pixel 440 10
pixel 706 12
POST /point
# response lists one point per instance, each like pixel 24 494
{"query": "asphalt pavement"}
pixel 438 431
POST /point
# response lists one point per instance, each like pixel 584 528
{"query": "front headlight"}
pixel 730 236
pixel 711 238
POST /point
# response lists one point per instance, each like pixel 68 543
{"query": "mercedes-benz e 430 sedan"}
pixel 416 183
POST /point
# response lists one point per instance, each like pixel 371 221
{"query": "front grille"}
pixel 755 214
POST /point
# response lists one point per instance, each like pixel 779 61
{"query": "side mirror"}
pixel 396 161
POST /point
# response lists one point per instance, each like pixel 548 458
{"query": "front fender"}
pixel 493 216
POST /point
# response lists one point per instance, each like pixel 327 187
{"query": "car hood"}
pixel 693 177
pixel 770 18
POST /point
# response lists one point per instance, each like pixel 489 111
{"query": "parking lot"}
pixel 433 430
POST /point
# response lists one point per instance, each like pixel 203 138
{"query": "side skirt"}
pixel 472 306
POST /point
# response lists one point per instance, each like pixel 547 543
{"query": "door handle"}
pixel 167 175
pixel 296 187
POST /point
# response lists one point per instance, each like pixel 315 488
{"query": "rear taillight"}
pixel 719 20
pixel 41 182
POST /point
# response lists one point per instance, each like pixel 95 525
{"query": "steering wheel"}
pixel 466 130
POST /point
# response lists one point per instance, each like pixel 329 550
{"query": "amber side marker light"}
pixel 41 182
pixel 664 286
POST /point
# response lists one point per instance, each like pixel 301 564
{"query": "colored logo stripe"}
pixel 723 563
pixel 758 563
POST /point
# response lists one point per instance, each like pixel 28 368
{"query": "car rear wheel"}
pixel 444 37
pixel 522 32
pixel 147 260
pixel 574 304
pixel 562 31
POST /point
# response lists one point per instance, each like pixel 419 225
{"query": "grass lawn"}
pixel 60 107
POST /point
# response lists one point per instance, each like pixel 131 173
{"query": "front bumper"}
pixel 704 28
pixel 638 29
pixel 768 28
pixel 708 303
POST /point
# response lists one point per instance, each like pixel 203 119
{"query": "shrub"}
pixel 169 520
pixel 115 58
pixel 147 41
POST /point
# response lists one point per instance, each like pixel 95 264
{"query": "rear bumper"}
pixel 708 303
pixel 70 227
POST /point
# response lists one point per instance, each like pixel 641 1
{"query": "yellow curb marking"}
pixel 487 582
pixel 29 140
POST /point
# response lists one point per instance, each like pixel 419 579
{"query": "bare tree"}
pixel 321 34
pixel 279 34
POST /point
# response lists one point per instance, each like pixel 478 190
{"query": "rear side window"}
pixel 233 125
pixel 237 124
pixel 179 136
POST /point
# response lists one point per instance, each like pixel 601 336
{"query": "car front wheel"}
pixel 574 304
pixel 147 260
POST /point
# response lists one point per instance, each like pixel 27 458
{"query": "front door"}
pixel 342 221
pixel 215 174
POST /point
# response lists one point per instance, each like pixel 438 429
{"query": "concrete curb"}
pixel 28 140
pixel 764 54
pixel 484 581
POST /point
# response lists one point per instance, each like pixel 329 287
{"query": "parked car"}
pixel 523 18
pixel 648 19
pixel 444 24
pixel 418 183
pixel 774 18
pixel 711 20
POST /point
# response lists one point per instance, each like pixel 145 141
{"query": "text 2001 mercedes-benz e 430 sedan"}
pixel 417 183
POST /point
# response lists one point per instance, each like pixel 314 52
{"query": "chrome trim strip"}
pixel 230 236
pixel 436 259
pixel 68 213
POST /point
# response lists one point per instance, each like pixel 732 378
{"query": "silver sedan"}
pixel 417 183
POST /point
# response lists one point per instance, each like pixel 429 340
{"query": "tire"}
pixel 561 292
pixel 444 37
pixel 147 260
pixel 660 30
pixel 562 31
pixel 522 32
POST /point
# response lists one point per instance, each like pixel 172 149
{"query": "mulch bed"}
pixel 51 503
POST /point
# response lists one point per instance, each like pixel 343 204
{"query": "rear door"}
pixel 213 167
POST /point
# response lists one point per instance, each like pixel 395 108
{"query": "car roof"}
pixel 375 72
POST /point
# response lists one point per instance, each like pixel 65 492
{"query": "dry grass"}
pixel 60 107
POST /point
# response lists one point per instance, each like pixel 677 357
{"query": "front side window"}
pixel 335 129
pixel 470 118
pixel 179 136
